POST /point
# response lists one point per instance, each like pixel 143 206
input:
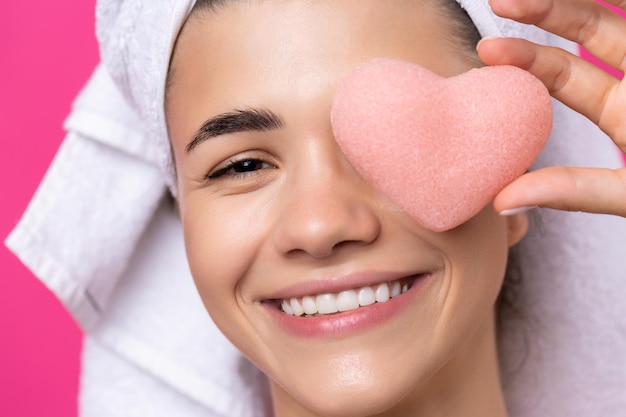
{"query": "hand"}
pixel 579 85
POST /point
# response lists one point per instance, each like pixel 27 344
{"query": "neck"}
pixel 467 386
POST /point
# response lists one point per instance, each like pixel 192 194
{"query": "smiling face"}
pixel 278 223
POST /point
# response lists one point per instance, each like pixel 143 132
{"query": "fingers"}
pixel 573 81
pixel 598 29
pixel 593 190
pixel 579 85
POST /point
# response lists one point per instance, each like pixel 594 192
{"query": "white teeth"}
pixel 395 289
pixel 309 305
pixel 286 307
pixel 366 296
pixel 326 304
pixel 343 301
pixel 382 293
pixel 296 307
pixel 347 300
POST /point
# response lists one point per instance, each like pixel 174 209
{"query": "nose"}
pixel 329 207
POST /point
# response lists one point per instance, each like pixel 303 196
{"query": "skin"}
pixel 251 236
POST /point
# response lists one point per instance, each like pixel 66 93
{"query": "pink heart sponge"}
pixel 440 148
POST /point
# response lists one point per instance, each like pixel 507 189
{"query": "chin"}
pixel 349 402
pixel 355 384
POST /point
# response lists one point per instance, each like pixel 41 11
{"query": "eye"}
pixel 239 168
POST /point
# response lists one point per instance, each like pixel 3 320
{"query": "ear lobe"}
pixel 517 227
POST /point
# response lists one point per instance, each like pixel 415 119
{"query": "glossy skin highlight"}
pixel 274 213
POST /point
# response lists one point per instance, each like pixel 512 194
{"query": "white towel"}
pixel 83 224
pixel 155 351
pixel 101 233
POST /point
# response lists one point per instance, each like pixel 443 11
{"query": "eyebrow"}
pixel 253 119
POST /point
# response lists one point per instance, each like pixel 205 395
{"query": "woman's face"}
pixel 273 211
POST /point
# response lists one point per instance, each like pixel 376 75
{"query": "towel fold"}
pixel 155 333
pixel 83 224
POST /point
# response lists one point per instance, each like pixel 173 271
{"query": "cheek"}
pixel 224 237
pixel 478 259
pixel 475 255
pixel 222 242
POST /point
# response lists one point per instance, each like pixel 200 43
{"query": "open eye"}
pixel 239 168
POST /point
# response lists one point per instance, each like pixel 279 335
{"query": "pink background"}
pixel 48 50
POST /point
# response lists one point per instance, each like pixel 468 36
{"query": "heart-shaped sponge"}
pixel 440 148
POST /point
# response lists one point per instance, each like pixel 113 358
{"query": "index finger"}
pixel 601 31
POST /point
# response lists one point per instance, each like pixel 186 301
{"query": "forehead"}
pixel 322 29
pixel 251 53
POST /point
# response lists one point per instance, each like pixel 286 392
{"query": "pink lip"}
pixel 348 322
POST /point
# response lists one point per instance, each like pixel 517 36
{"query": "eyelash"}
pixel 248 166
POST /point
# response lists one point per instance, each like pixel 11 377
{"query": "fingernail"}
pixel 518 210
pixel 486 38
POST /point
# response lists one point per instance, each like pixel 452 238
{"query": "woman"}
pixel 250 230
